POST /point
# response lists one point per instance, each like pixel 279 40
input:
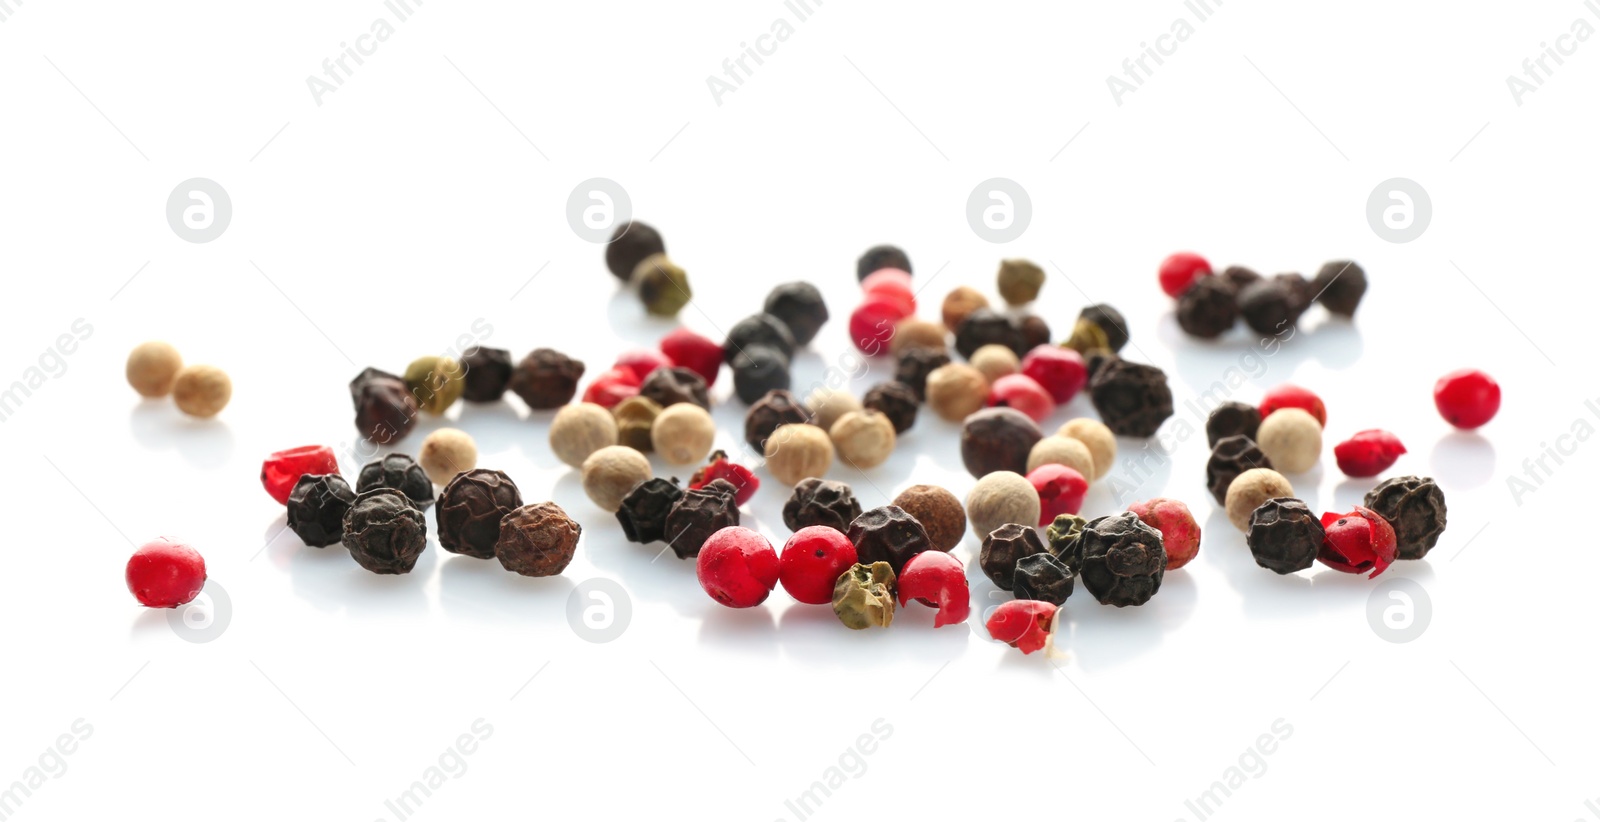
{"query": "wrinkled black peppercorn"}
pixel 546 379
pixel 1230 457
pixel 1239 276
pixel 1299 289
pixel 985 326
pixel 385 409
pixel 759 369
pixel 488 374
pixel 775 408
pixel 1269 306
pixel 1133 398
pixel 799 306
pixel 897 402
pixel 698 514
pixel 913 365
pixel 401 473
pixel 1042 577
pixel 1035 331
pixel 384 532
pixel 821 502
pixel 888 534
pixel 1122 560
pixel 1110 322
pixel 882 256
pixel 1207 309
pixel 1063 538
pixel 1230 419
pixel 470 510
pixel 1339 286
pixel 1096 361
pixel 1004 547
pixel 1415 507
pixel 629 245
pixel 644 510
pixel 997 439
pixel 667 386
pixel 758 330
pixel 537 540
pixel 1284 536
pixel 317 506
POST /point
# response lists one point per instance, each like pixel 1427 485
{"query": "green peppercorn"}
pixel 1062 538
pixel 436 382
pixel 864 596
pixel 635 416
pixel 1019 281
pixel 663 285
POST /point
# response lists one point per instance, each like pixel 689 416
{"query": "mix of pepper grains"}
pixel 1024 506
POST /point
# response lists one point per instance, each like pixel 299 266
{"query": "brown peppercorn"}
pixel 663 285
pixel 956 390
pixel 385 410
pixel 797 451
pixel 537 540
pixel 610 473
pixel 888 534
pixel 896 401
pixel 670 386
pixel 629 245
pixel 821 502
pixel 1019 281
pixel 1230 457
pixel 913 366
pixel 698 514
pixel 470 509
pixel 961 301
pixel 546 379
pixel 775 408
pixel 939 512
pixel 865 438
pixel 997 439
pixel 1232 418
pixel 579 430
pixel 1415 507
pixel 914 333
pixel 1035 331
pixel 202 390
pixel 985 326
pixel 1044 578
pixel 1003 547
pixel 488 372
pixel 1208 309
pixel 758 330
pixel 400 472
pixel 634 417
pixel 1339 286
pixel 1133 398
pixel 153 367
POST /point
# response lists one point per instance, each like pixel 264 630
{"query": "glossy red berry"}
pixel 1293 396
pixel 1467 398
pixel 1061 491
pixel 694 352
pixel 1180 534
pixel 1060 371
pixel 641 361
pixel 891 284
pixel 1357 542
pixel 165 573
pixel 737 567
pixel 283 469
pixel 1180 270
pixel 1023 624
pixel 612 387
pixel 1368 453
pixel 872 324
pixel 721 468
pixel 812 561
pixel 937 580
pixel 1023 393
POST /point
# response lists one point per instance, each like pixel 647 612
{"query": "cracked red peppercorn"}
pixel 1061 491
pixel 1467 398
pixel 1023 624
pixel 1293 396
pixel 612 387
pixel 1179 271
pixel 937 580
pixel 719 467
pixel 1368 453
pixel 811 562
pixel 737 567
pixel 165 573
pixel 281 470
pixel 1357 542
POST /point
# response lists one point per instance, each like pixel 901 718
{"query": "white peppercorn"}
pixel 579 430
pixel 956 390
pixel 826 405
pixel 865 439
pixel 682 433
pixel 1249 490
pixel 798 451
pixel 1061 450
pixel 999 498
pixel 1101 442
pixel 1292 439
pixel 995 361
pixel 610 473
pixel 446 453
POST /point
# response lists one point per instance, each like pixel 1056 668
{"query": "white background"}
pixel 425 193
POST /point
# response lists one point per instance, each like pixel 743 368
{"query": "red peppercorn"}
pixel 891 284
pixel 1293 396
pixel 872 324
pixel 1180 534
pixel 1023 624
pixel 1023 393
pixel 1357 542
pixel 1061 490
pixel 1061 371
pixel 612 387
pixel 1180 270
pixel 165 573
pixel 694 352
pixel 737 567
pixel 937 580
pixel 641 361
pixel 283 469
pixel 1467 398
pixel 721 468
pixel 1368 453
pixel 812 561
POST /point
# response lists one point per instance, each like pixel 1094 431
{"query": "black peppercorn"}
pixel 644 510
pixel 1238 276
pixel 1035 331
pixel 984 326
pixel 762 330
pixel 799 306
pixel 384 532
pixel 1122 560
pixel 1299 289
pixel 821 502
pixel 759 369
pixel 1207 309
pixel 1232 418
pixel 997 439
pixel 1110 322
pixel 1133 398
pixel 1230 457
pixel 698 514
pixel 546 379
pixel 1284 535
pixel 1004 547
pixel 537 540
pixel 888 534
pixel 1063 538
pixel 1339 286
pixel 668 386
pixel 897 402
pixel 317 506
pixel 1269 306
pixel 775 408
pixel 1415 507
pixel 401 473
pixel 1095 361
pixel 882 256
pixel 470 510
pixel 385 409
pixel 913 365
pixel 488 374
pixel 1042 577
pixel 629 245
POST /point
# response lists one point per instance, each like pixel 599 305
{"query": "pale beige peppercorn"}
pixel 579 430
pixel 682 433
pixel 826 405
pixel 153 367
pixel 995 361
pixel 1101 442
pixel 961 301
pixel 611 472
pixel 798 451
pixel 202 390
pixel 1249 490
pixel 1001 497
pixel 446 453
pixel 1292 440
pixel 915 333
pixel 865 439
pixel 955 390
pixel 1059 450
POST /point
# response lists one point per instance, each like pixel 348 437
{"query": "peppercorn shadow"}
pixel 203 443
pixel 331 581
pixel 1467 458
pixel 630 322
pixel 814 634
pixel 469 584
pixel 1218 370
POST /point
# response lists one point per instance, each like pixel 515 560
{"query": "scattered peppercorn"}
pixel 1181 270
pixel 1133 398
pixel 1284 535
pixel 1231 418
pixel 537 540
pixel 470 509
pixel 487 373
pixel 1467 398
pixel 1063 539
pixel 1209 308
pixel 938 510
pixel 1415 507
pixel 762 330
pixel 1122 560
pixel 281 470
pixel 1023 393
pixel 1111 324
pixel 759 369
pixel 670 386
pixel 1060 371
pixel 995 361
pixel 634 417
pixel 1269 306
pixel 880 257
pixel 961 301
pixel 436 383
pixel 401 473
pixel 683 433
pixel 1019 281
pixel 699 354
pixel 826 405
pixel 641 362
pixel 643 513
pixel 797 451
pixel 1249 490
pixel 1291 439
pixel 775 408
pixel 865 438
pixel 1339 286
pixel 1035 331
pixel 385 410
pixel 201 390
pixel 1230 457
pixel 956 390
pixel 153 367
pixel 799 306
pixel 1096 361
pixel 1368 453
pixel 1293 396
pixel 1299 290
pixel 913 365
pixel 721 468
pixel 663 285
pixel 385 532
pixel 812 561
pixel 1024 624
pixel 1002 549
pixel 611 387
pixel 165 573
pixel 891 285
pixel 912 332
pixel 630 243
pixel 983 326
pixel 997 439
pixel 936 580
pixel 1357 542
pixel 737 567
pixel 610 473
pixel 1043 578
pixel 697 515
pixel 1061 491
pixel 887 534
pixel 896 401
pixel 1000 498
pixel 1239 276
pixel 447 452
pixel 1180 534
pixel 1097 437
pixel 821 502
pixel 872 324
pixel 1059 450
pixel 579 430
pixel 1089 339
pixel 546 379
pixel 864 596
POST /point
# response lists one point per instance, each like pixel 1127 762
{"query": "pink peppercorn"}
pixel 1023 393
pixel 737 567
pixel 1180 270
pixel 281 470
pixel 812 561
pixel 1061 491
pixel 1467 398
pixel 893 285
pixel 872 324
pixel 612 387
pixel 1060 371
pixel 721 468
pixel 1023 624
pixel 937 580
pixel 1357 542
pixel 1180 534
pixel 694 352
pixel 1293 396
pixel 641 361
pixel 165 573
pixel 1368 453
